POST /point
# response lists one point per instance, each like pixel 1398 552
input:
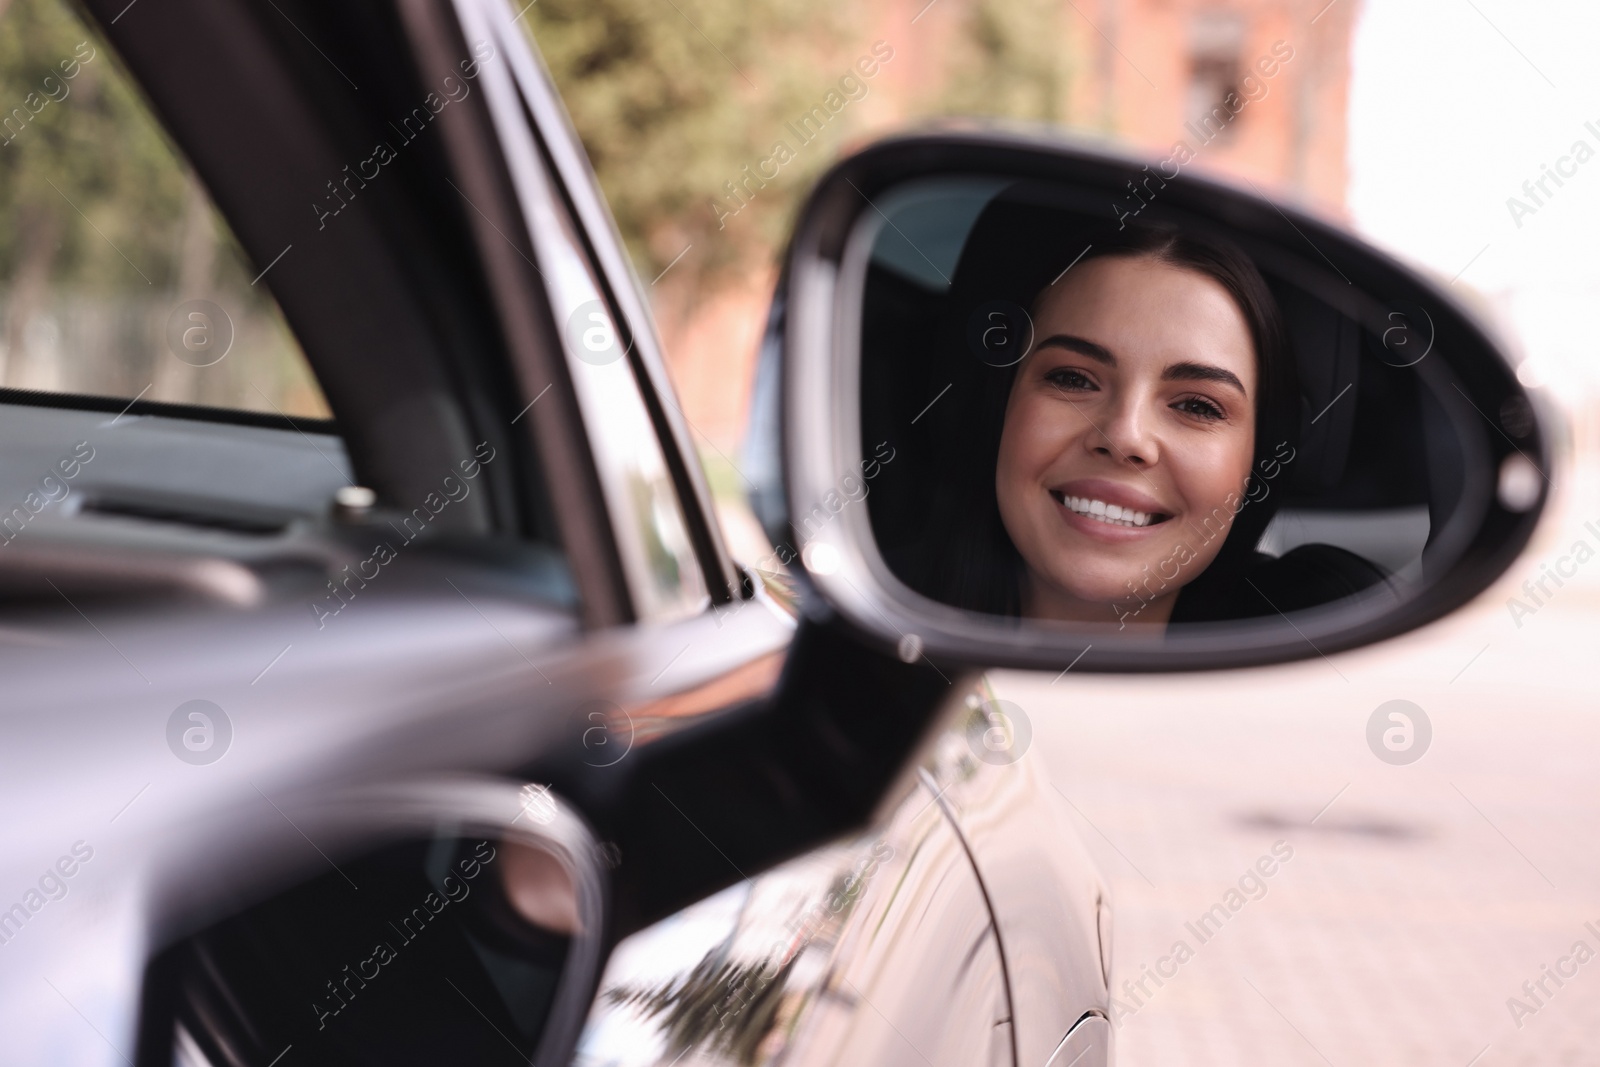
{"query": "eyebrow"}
pixel 1186 371
pixel 1202 372
pixel 1098 353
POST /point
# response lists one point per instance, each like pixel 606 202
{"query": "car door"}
pixel 472 550
pixel 494 559
pixel 878 948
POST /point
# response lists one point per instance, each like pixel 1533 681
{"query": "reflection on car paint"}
pixel 801 961
pixel 736 1002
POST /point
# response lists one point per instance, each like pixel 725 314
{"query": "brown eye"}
pixel 1201 407
pixel 1067 378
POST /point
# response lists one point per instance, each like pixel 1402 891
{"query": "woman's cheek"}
pixel 1036 439
pixel 1013 471
pixel 1062 424
pixel 1215 477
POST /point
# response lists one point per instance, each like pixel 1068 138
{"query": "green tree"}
pixel 79 152
pixel 1011 61
pixel 104 227
pixel 673 98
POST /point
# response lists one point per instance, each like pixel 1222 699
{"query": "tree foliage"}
pixel 1011 60
pixel 673 98
pixel 83 167
pixel 104 230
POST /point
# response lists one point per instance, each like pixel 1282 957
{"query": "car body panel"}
pixel 1045 891
pixel 410 680
pixel 875 950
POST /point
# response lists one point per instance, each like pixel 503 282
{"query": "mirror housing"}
pixel 809 396
pixel 276 929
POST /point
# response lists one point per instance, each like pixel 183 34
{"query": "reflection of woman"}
pixel 1130 430
pixel 1124 470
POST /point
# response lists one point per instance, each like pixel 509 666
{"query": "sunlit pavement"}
pixel 1418 899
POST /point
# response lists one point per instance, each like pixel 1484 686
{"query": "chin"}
pixel 1092 576
pixel 1105 590
pixel 1114 600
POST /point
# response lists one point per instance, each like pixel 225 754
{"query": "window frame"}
pixel 568 168
pixel 523 104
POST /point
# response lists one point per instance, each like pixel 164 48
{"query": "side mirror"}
pixel 1043 406
pixel 449 919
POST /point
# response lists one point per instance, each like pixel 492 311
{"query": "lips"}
pixel 1096 505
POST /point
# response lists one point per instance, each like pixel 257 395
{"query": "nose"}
pixel 1127 433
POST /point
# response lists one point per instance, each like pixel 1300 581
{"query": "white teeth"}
pixel 1111 514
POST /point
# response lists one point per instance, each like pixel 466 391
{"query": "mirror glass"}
pixel 1104 413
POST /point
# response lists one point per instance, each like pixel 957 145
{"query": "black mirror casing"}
pixel 1501 435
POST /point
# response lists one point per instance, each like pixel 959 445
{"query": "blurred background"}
pixel 708 120
pixel 105 233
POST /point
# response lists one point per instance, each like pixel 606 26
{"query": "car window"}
pixel 118 276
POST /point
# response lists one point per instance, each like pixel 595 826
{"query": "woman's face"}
pixel 1128 439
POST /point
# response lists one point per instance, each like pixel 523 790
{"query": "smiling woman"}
pixel 1133 421
pixel 1126 402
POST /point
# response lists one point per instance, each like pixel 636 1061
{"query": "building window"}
pixel 1213 101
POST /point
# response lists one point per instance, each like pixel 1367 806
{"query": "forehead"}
pixel 1144 309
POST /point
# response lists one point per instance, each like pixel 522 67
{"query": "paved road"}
pixel 1418 899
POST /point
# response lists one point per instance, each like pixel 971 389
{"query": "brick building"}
pixel 1164 73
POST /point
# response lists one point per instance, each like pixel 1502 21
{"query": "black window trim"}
pixel 38 398
pixel 567 165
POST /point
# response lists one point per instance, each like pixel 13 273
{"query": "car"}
pixel 403 703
